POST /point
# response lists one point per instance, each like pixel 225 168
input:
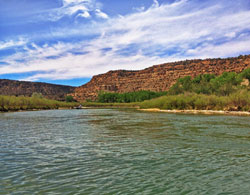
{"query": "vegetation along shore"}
pixel 227 93
pixel 36 102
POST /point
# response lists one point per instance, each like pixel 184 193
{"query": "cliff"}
pixel 157 78
pixel 50 91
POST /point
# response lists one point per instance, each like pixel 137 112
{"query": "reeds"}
pixel 238 101
pixel 13 103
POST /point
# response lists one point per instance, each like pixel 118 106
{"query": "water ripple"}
pixel 123 152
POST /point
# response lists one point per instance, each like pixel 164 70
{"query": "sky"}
pixel 69 41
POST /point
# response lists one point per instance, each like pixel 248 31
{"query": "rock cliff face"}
pixel 17 88
pixel 157 78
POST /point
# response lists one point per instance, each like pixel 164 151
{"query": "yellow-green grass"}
pixel 239 101
pixel 13 103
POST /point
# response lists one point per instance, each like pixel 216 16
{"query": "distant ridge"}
pixel 158 77
pixel 17 88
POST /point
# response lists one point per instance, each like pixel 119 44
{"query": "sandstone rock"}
pixel 245 82
pixel 157 78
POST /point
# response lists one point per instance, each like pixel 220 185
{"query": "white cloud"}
pixel 230 34
pixel 101 14
pixel 85 14
pixel 222 50
pixel 75 1
pixel 156 3
pixel 163 33
pixel 139 9
pixel 12 43
pixel 73 9
pixel 82 8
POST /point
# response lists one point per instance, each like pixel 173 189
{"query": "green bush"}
pixel 245 74
pixel 138 96
pixel 223 85
pixel 69 98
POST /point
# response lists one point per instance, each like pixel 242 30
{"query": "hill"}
pixel 18 88
pixel 157 78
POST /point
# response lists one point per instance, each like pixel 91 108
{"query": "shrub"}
pixel 69 98
pixel 37 95
pixel 138 96
pixel 240 100
pixel 222 85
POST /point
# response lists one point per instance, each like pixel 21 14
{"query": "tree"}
pixel 69 98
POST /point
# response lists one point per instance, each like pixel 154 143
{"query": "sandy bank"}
pixel 209 112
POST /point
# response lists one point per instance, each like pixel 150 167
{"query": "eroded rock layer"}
pixel 157 78
pixel 17 88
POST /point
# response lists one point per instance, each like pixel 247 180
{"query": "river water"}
pixel 111 151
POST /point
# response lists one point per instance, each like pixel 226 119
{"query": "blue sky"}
pixel 69 41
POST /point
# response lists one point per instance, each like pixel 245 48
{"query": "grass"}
pixel 13 103
pixel 239 101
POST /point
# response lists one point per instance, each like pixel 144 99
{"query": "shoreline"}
pixel 29 110
pixel 69 108
pixel 205 112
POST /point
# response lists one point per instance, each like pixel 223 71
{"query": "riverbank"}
pixel 14 104
pixel 109 105
pixel 206 112
pixel 239 102
pixel 27 110
pixel 98 106
pixel 19 104
pixel 89 105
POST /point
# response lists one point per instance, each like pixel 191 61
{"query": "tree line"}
pixel 137 96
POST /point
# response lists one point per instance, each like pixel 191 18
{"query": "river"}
pixel 123 151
